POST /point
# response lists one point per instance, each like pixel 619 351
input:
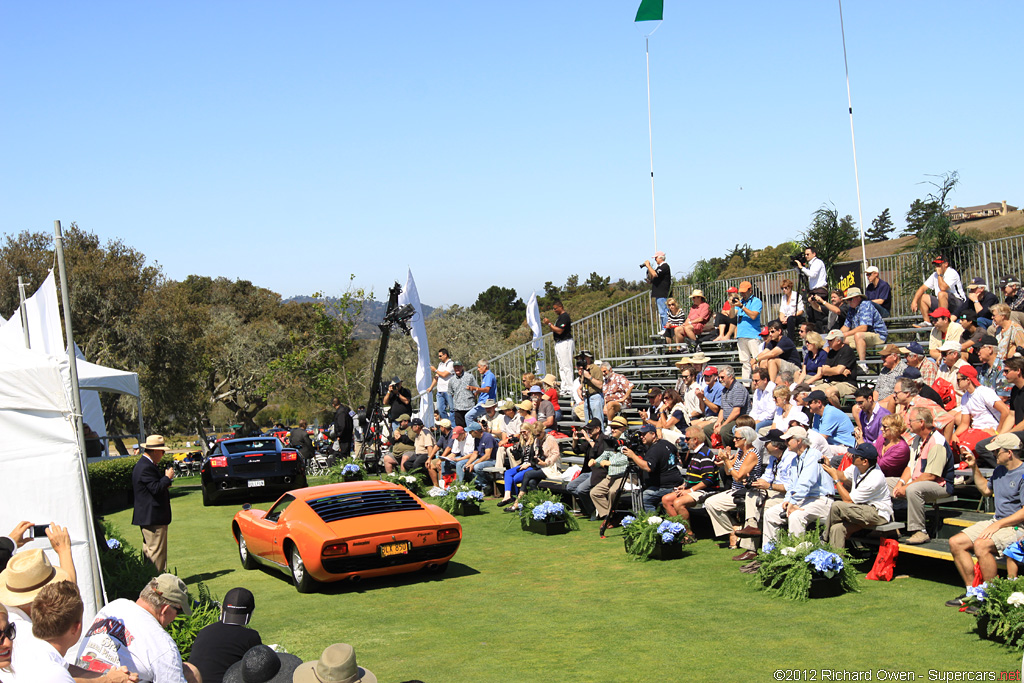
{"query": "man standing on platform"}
pixel 153 500
pixel 660 276
pixel 561 330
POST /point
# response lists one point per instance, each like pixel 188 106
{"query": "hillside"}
pixel 371 315
pixel 983 229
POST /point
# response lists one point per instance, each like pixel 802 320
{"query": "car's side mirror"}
pixel 246 506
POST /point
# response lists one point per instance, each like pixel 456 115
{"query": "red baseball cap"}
pixel 939 259
pixel 711 370
pixel 732 290
pixel 764 331
pixel 970 373
pixel 941 312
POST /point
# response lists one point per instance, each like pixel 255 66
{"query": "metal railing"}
pixel 632 322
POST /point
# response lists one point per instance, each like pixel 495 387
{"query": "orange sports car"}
pixel 351 530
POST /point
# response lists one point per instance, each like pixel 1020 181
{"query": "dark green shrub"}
pixel 125 571
pixel 205 611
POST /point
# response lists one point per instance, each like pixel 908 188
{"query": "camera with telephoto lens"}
pixel 633 441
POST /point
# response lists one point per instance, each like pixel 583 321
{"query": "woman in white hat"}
pixel 697 318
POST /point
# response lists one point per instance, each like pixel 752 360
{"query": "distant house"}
pixel 969 213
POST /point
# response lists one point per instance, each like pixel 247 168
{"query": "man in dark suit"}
pixel 300 441
pixel 342 429
pixel 153 501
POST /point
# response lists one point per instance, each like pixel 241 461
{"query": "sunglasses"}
pixel 9 633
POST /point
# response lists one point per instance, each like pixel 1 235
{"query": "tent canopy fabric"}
pixel 100 378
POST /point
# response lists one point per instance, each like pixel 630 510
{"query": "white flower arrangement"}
pixel 1016 599
pixel 655 520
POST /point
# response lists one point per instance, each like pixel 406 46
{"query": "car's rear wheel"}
pixel 304 583
pixel 243 553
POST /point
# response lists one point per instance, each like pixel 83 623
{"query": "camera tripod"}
pixel 636 498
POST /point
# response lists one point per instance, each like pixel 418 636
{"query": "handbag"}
pixel 885 561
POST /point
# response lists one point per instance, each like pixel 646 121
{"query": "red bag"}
pixel 448 479
pixel 945 391
pixel 978 578
pixel 885 562
pixel 716 440
pixel 845 462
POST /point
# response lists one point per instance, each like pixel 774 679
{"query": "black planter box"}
pixel 547 528
pixel 465 508
pixel 663 551
pixel 352 476
pixel 825 587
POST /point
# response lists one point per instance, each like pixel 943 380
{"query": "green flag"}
pixel 650 10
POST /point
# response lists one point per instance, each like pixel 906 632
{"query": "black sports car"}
pixel 259 465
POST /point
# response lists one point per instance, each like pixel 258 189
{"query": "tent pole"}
pixel 76 399
pixel 22 311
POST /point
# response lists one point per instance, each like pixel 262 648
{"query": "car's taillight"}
pixel 447 535
pixel 287 456
pixel 335 550
pixel 219 461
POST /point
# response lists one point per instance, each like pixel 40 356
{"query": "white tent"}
pixel 43 473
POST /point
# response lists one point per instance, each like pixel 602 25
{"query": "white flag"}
pixel 533 320
pixel 424 379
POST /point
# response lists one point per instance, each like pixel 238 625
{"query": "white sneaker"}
pixel 863 368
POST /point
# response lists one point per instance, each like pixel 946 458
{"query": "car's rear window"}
pixel 251 446
pixel 363 503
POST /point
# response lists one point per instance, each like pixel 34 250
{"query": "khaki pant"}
pixel 918 494
pixel 602 494
pixel 855 514
pixel 154 546
pixel 718 508
pixel 797 521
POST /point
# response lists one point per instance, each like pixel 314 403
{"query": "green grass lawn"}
pixel 519 607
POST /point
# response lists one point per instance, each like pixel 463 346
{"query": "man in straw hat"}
pixel 133 634
pixel 153 500
pixel 863 326
pixel 337 664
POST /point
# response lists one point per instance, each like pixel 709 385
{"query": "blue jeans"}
pixel 662 311
pixel 652 498
pixel 763 423
pixel 596 411
pixel 460 467
pixel 474 413
pixel 444 406
pixel 984 323
pixel 513 478
pixel 884 312
pixel 481 479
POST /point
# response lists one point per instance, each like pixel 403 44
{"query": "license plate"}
pixel 392 549
pixel 255 482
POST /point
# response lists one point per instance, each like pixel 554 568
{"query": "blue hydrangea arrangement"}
pixel 541 505
pixel 543 510
pixel 472 496
pixel 643 532
pixel 794 563
pixel 351 468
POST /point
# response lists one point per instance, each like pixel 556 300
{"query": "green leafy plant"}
pixel 447 501
pixel 184 629
pixel 414 481
pixel 643 532
pixel 1000 614
pixel 538 497
pixel 335 473
pixel 788 565
pixel 125 571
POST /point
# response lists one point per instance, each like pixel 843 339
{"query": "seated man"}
pixel 484 455
pixel 133 634
pixel 811 495
pixel 928 476
pixel 944 330
pixel 437 461
pixel 401 444
pixel 659 465
pixel 917 358
pixel 710 398
pixel 423 447
pixel 950 362
pixel 701 479
pixel 226 641
pixel 735 402
pixel 863 325
pixel 839 374
pixel 891 370
pixel 762 402
pixel 770 488
pixel 981 411
pixel 878 291
pixel 462 449
pixel 864 496
pixel 867 415
pixel 947 292
pixel 833 424
pixel 780 353
pixel 988 538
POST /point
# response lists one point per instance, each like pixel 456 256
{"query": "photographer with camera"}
pixel 591 443
pixel 616 465
pixel 747 311
pixel 397 399
pixel 660 277
pixel 592 386
pixel 813 268
pixel 658 462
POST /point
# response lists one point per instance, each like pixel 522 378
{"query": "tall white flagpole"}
pixel 856 175
pixel 418 331
pixel 650 133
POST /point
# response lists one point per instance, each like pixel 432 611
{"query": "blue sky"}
pixel 294 144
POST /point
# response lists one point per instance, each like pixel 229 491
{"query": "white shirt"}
pixel 691 404
pixel 509 426
pixel 981 406
pixel 791 305
pixel 762 406
pixel 125 634
pixel 951 278
pixel 870 489
pixel 449 367
pixel 815 272
pixel 46 666
pixel 27 648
